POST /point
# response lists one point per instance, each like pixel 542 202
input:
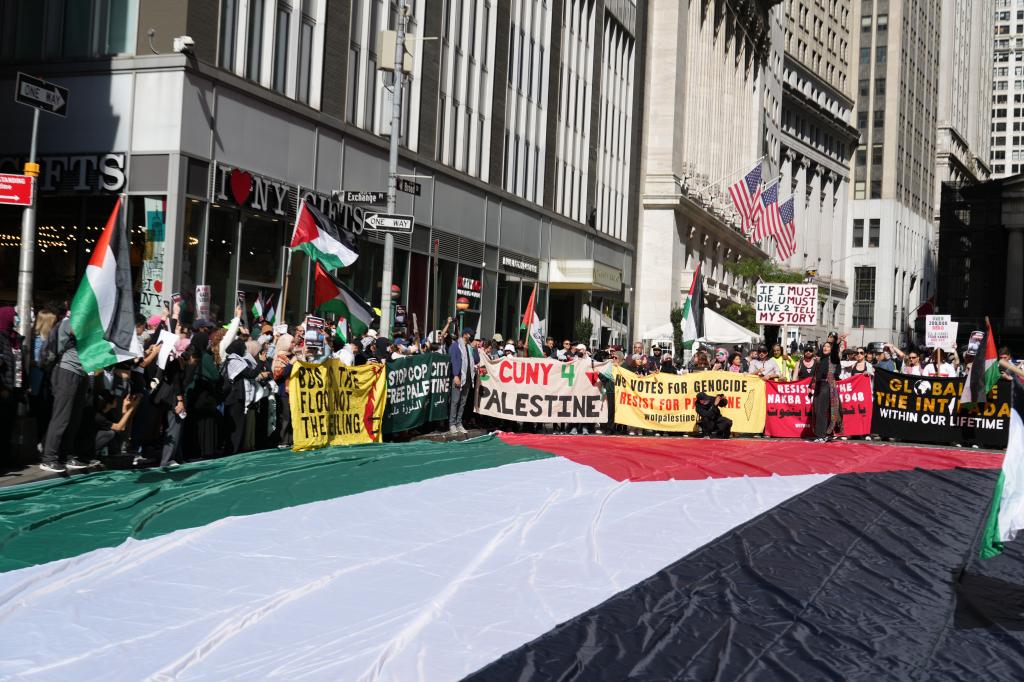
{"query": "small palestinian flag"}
pixel 1006 515
pixel 531 323
pixel 331 296
pixel 341 329
pixel 103 311
pixel 693 311
pixel 257 307
pixel 515 557
pixel 320 239
pixel 984 372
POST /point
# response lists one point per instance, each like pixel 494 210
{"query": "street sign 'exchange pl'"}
pixel 43 95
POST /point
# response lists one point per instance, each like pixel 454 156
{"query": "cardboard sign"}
pixel 790 304
pixel 937 332
pixel 203 301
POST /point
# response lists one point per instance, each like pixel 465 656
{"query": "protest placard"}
pixel 665 402
pixel 928 410
pixel 790 304
pixel 544 391
pixel 789 407
pixel 202 301
pixel 333 404
pixel 418 388
pixel 937 330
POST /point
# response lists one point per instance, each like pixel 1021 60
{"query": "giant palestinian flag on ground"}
pixel 521 557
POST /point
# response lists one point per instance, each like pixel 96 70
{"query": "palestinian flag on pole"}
pixel 270 315
pixel 331 296
pixel 103 311
pixel 693 311
pixel 341 329
pixel 523 556
pixel 531 323
pixel 984 371
pixel 257 307
pixel 320 239
pixel 1006 514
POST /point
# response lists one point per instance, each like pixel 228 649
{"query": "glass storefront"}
pixel 513 297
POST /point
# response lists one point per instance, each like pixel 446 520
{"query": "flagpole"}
pixel 284 290
pixel 732 173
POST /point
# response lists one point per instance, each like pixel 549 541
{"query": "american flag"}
pixel 770 222
pixel 745 195
pixel 785 239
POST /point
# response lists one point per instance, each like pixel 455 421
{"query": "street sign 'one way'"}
pixel 382 222
pixel 43 95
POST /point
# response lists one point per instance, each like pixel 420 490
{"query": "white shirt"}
pixel 915 370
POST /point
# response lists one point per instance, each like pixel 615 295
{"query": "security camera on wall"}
pixel 184 44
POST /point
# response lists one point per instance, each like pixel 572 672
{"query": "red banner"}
pixel 789 407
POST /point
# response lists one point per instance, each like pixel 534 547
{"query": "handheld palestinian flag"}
pixel 1006 514
pixel 984 372
pixel 331 296
pixel 693 311
pixel 270 315
pixel 103 311
pixel 531 323
pixel 320 239
pixel 341 329
pixel 525 556
pixel 257 307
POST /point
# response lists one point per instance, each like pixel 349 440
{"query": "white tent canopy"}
pixel 717 330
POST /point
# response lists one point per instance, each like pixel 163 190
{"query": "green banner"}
pixel 417 391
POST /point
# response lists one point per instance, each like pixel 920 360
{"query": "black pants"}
pixel 716 427
pixel 69 396
pixel 234 414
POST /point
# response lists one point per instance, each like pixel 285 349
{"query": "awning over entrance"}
pixel 717 330
pixel 585 275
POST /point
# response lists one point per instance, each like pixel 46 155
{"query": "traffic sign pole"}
pixel 396 129
pixel 26 263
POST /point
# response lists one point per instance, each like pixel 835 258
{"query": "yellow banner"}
pixel 332 404
pixel 664 402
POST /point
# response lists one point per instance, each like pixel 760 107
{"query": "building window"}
pixel 305 59
pixel 254 40
pixel 864 297
pixel 281 47
pixel 865 55
pixel 228 27
pixel 858 190
pixel 858 232
pixel 880 86
pixel 874 227
pixel 880 52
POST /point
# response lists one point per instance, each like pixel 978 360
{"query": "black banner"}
pixel 928 410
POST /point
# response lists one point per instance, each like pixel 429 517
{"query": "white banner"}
pixel 544 391
pixel 790 304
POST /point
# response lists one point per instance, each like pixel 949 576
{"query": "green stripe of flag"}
pixel 67 517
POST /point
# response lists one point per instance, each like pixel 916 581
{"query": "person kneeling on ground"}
pixel 712 422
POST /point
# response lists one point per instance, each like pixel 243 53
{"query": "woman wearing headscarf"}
pixel 238 370
pixel 203 391
pixel 826 411
pixel 10 378
pixel 281 368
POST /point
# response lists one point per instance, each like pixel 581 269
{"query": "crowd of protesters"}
pixel 222 388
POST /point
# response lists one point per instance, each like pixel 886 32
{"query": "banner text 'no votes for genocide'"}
pixel 665 402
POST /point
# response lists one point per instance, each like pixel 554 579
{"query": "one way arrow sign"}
pixel 382 222
pixel 43 95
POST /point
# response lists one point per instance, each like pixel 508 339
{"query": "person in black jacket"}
pixel 712 421
pixel 826 413
pixel 238 367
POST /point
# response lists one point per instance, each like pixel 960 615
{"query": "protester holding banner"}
pixel 806 367
pixel 828 416
pixel 859 365
pixel 463 371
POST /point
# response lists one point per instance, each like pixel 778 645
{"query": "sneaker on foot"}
pixel 171 465
pixel 598 432
pixel 585 431
pixel 75 463
pixel 462 429
pixel 573 432
pixel 140 461
pixel 453 429
pixel 55 467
